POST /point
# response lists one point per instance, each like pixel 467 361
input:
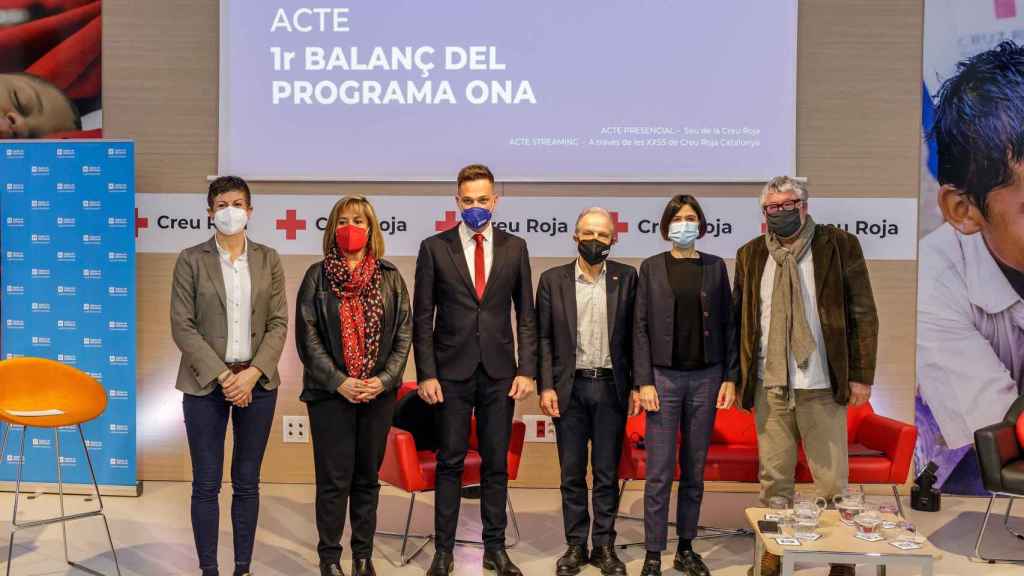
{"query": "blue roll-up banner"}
pixel 68 274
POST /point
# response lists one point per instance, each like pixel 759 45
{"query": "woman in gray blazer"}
pixel 229 318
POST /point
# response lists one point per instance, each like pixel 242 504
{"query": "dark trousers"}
pixel 687 401
pixel 489 399
pixel 206 421
pixel 594 415
pixel 348 447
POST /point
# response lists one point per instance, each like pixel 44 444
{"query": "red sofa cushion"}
pixel 874 442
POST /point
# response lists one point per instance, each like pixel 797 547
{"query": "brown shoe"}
pixel 771 565
pixel 842 570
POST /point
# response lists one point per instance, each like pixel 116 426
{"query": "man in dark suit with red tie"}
pixel 585 321
pixel 468 279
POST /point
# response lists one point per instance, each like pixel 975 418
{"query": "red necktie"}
pixel 479 272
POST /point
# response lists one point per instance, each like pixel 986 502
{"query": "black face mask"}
pixel 593 251
pixel 784 223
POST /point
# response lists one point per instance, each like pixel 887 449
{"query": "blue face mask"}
pixel 683 234
pixel 476 217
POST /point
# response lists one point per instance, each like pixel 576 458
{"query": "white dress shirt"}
pixel 815 375
pixel 238 301
pixel 469 247
pixel 970 335
pixel 592 348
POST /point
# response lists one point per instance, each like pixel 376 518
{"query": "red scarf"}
pixel 361 310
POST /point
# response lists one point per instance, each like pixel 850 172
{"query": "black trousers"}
pixel 348 447
pixel 206 423
pixel 594 415
pixel 489 399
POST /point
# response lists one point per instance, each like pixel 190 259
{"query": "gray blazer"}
pixel 199 320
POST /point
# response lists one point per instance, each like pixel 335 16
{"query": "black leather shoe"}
pixel 363 567
pixel 443 564
pixel 651 568
pixel 572 561
pixel 331 570
pixel 604 558
pixel 502 565
pixel 691 564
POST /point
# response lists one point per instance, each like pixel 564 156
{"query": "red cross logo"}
pixel 140 223
pixel 1005 9
pixel 448 223
pixel 291 224
pixel 620 227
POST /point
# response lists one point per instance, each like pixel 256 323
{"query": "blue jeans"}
pixel 687 399
pixel 206 420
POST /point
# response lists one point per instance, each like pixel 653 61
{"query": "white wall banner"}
pixel 293 224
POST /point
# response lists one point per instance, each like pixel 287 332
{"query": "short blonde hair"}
pixel 362 205
pixel 784 184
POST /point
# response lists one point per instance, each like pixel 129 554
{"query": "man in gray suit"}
pixel 229 318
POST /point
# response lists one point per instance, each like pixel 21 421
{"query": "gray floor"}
pixel 154 538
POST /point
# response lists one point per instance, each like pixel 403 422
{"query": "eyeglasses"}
pixel 784 206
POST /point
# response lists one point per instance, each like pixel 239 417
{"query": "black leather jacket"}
pixel 318 334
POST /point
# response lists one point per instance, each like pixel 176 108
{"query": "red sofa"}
pixel 881 449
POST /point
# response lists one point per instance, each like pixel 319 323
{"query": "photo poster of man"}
pixel 970 316
pixel 50 69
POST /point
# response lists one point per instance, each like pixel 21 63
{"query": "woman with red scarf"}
pixel 353 331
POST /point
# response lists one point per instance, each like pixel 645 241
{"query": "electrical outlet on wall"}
pixel 296 429
pixel 539 428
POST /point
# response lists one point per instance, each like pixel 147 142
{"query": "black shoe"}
pixel 499 561
pixel 572 561
pixel 363 567
pixel 443 564
pixel 691 564
pixel 651 568
pixel 604 558
pixel 332 569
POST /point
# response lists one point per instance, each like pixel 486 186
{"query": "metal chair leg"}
pixel 17 496
pixel 60 494
pixel 899 501
pixel 404 535
pixel 984 525
pixel 515 529
pixel 704 532
pixel 1006 520
pixel 619 514
pixel 515 522
pixel 99 500
pixel 427 538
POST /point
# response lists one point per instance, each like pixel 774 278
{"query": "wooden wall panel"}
pixel 858 111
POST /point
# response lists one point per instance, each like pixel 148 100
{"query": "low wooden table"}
pixel 837 545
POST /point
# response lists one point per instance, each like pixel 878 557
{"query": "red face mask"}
pixel 351 239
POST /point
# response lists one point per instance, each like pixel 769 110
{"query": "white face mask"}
pixel 231 220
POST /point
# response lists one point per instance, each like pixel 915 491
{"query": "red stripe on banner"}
pixel 1006 9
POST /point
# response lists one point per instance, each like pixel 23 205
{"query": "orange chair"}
pixel 40 393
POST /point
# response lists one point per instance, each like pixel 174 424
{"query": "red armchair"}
pixel 881 450
pixel 413 471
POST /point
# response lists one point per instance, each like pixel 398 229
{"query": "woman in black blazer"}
pixel 682 346
pixel 353 332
